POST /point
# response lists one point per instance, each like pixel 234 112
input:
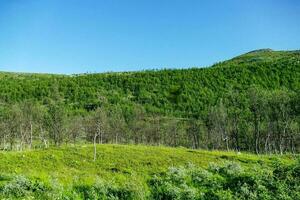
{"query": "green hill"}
pixel 180 92
pixel 247 103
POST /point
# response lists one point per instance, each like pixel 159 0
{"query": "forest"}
pixel 248 103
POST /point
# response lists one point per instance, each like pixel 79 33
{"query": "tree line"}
pixel 259 121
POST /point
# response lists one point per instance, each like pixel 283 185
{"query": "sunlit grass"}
pixel 69 164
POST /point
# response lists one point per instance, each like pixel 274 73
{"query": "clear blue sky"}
pixel 74 36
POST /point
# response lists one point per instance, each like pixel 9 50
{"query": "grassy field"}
pixel 69 163
pixel 121 164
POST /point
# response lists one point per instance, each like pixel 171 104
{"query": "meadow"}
pixel 146 172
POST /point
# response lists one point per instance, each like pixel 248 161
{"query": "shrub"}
pixel 219 182
pixel 109 190
pixel 227 181
pixel 18 187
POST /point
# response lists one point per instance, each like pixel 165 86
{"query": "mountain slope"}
pixel 180 92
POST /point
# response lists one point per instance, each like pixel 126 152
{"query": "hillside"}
pixel 129 172
pixel 248 103
pixel 185 92
pixel 233 131
pixel 263 56
pixel 67 163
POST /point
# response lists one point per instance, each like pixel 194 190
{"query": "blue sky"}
pixel 77 36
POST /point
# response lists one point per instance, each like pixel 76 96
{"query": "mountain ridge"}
pixel 257 53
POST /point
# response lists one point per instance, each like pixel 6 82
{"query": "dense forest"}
pixel 248 103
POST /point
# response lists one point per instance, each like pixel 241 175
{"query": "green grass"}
pixel 120 162
pixel 146 172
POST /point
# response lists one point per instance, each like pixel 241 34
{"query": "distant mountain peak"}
pixel 261 50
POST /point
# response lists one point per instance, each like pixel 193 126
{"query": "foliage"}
pixel 145 172
pixel 248 103
pixel 226 181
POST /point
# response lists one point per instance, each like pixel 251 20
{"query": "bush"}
pixel 108 190
pixel 219 182
pixel 18 187
pixel 227 181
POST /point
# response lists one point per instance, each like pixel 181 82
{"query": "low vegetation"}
pixel 145 172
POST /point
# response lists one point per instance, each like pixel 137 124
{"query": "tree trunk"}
pixel 31 130
pixel 95 147
pixel 22 138
pixel 292 145
pixel 227 144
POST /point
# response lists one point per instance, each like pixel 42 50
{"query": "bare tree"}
pixel 100 125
